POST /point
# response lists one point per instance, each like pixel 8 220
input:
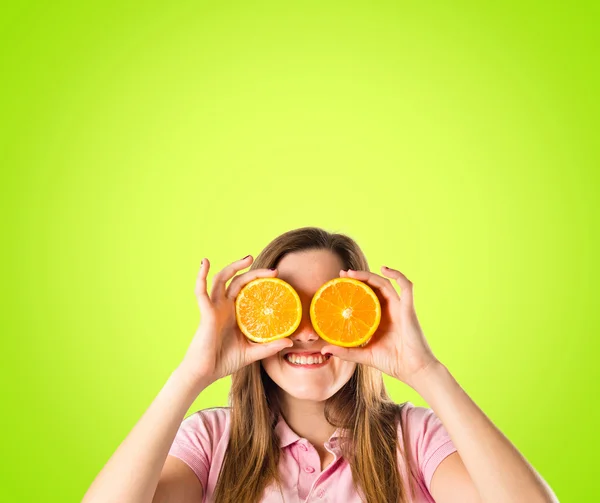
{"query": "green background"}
pixel 457 143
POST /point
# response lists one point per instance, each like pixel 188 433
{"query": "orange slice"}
pixel 267 309
pixel 345 312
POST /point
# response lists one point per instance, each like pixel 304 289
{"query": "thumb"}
pixel 260 351
pixel 356 355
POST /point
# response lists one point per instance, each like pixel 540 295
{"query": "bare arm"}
pixel 133 471
pixel 487 468
pixel 218 349
pixel 498 471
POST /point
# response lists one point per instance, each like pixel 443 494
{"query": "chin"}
pixel 311 386
pixel 306 393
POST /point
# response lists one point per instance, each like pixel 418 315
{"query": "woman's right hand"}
pixel 219 348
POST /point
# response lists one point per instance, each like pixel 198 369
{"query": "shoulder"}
pixel 214 420
pixel 412 413
pixel 202 431
pixel 199 440
pixel 421 423
pixel 417 420
pixel 426 437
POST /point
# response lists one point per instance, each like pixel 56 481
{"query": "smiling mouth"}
pixel 313 361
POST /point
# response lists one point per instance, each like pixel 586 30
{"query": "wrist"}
pixel 422 380
pixel 191 381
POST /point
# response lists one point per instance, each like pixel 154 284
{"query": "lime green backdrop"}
pixel 456 143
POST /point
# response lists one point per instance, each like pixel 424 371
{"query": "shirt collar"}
pixel 287 436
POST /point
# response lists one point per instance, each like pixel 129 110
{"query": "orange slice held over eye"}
pixel 267 309
pixel 345 312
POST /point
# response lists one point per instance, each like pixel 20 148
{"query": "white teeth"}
pixel 303 360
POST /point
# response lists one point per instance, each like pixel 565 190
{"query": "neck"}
pixel 307 419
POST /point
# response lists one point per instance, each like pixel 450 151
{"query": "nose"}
pixel 305 331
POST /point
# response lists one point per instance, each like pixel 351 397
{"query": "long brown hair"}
pixel 362 408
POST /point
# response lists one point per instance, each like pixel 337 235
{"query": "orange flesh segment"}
pixel 346 313
pixel 267 310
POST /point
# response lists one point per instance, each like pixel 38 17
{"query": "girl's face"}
pixel 307 271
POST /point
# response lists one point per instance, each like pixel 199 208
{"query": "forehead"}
pixel 307 270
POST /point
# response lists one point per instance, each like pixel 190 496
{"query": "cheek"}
pixel 272 366
pixel 345 370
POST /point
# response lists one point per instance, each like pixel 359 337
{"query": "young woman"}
pixel 329 433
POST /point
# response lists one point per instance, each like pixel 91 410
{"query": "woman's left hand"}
pixel 398 346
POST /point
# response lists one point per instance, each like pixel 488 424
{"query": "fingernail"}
pixel 272 268
pixel 245 257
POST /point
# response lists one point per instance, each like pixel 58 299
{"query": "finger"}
pixel 224 275
pixel 242 280
pixel 259 351
pixel 200 289
pixel 382 284
pixel 356 355
pixel 406 286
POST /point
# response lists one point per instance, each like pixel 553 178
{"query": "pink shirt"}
pixel 300 465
